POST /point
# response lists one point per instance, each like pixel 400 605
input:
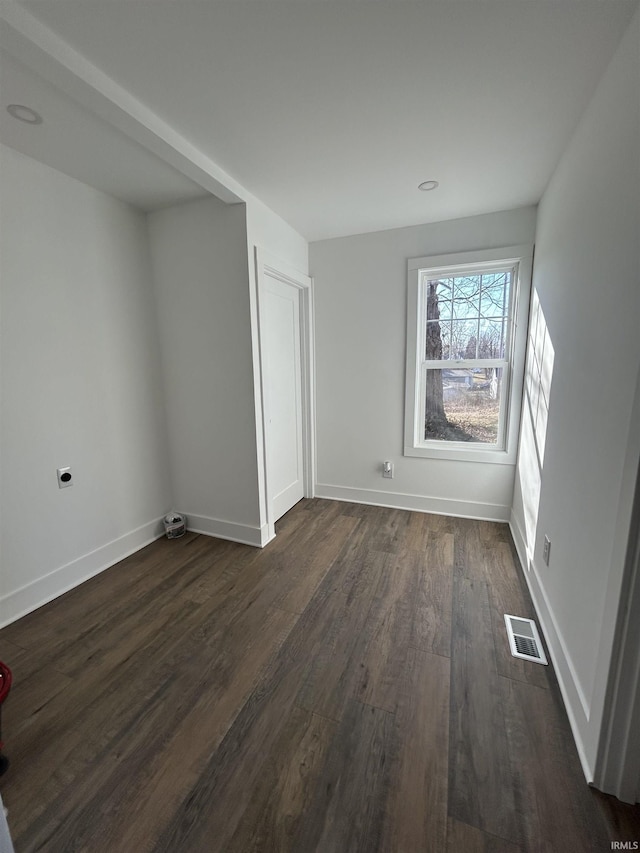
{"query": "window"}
pixel 464 359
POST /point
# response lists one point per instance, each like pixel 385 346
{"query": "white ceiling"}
pixel 84 146
pixel 333 112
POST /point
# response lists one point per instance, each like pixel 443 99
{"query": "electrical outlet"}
pixel 65 478
pixel 387 470
pixel 546 550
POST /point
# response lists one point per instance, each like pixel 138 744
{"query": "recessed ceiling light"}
pixel 23 113
pixel 425 186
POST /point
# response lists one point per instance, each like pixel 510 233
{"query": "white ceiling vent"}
pixel 524 639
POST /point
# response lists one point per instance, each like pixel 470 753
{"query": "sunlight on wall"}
pixel 539 372
pixel 535 415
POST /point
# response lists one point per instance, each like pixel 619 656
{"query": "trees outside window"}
pixel 467 322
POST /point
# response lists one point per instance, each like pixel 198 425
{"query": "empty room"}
pixel 319 426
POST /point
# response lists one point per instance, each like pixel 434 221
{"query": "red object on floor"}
pixel 5 681
pixel 5 687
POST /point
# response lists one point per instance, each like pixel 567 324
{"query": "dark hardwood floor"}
pixel 348 688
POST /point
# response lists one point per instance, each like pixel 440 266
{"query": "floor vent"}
pixel 524 639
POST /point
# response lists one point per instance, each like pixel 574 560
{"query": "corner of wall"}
pixel 245 534
pixel 46 588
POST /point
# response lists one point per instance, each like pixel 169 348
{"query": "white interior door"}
pixel 283 392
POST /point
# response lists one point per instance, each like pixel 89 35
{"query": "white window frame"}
pixel 517 258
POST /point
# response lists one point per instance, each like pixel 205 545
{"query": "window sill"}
pixel 463 454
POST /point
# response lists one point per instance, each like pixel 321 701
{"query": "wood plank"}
pixel 545 763
pixel 348 808
pixel 462 837
pixel 353 510
pixel 434 569
pixel 282 792
pixel 30 697
pixel 417 811
pixel 307 571
pixel 387 529
pixel 346 589
pixel 481 789
pixel 420 526
pixel 493 532
pixel 334 670
pixel 380 656
pixel 347 574
pixel 22 662
pixel 469 550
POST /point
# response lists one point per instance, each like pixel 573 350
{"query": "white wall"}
pixel 201 279
pixel 269 231
pixel 81 384
pixel 587 277
pixel 361 299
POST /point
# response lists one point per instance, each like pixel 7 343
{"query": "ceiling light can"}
pixel 426 186
pixel 25 114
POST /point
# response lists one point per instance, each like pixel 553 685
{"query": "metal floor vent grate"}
pixel 524 639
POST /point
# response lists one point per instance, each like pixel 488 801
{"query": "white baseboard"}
pixel 44 589
pixel 245 534
pixel 573 695
pixel 417 503
pixel 519 540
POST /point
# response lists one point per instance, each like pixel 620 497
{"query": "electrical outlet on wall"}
pixel 387 470
pixel 65 478
pixel 546 549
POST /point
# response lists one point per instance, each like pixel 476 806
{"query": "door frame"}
pixel 269 266
pixel 618 763
pixel 617 768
